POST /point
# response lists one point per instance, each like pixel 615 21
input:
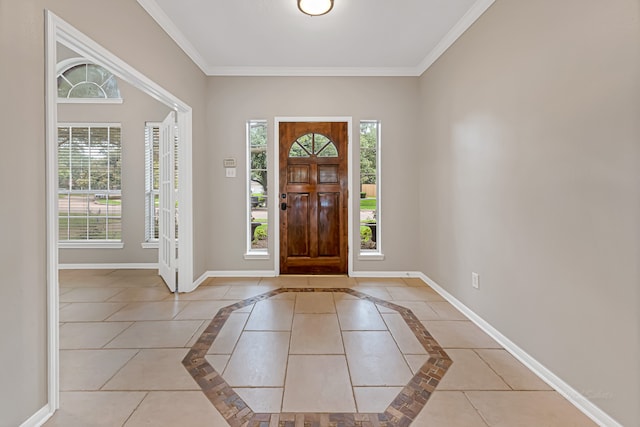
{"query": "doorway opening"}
pixel 59 31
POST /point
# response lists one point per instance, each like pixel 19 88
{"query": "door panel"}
pixel 329 224
pixel 167 262
pixel 298 229
pixel 314 195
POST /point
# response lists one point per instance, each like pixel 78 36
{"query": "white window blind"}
pixel 89 183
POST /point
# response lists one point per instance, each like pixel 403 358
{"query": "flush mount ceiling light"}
pixel 315 7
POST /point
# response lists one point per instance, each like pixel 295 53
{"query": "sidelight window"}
pixel 370 231
pixel 257 189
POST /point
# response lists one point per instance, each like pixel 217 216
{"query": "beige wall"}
pixel 234 100
pixel 531 172
pixel 136 109
pixel 140 42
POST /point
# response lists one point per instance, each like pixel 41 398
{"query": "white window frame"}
pixel 97 243
pixel 251 253
pixel 67 64
pixel 372 254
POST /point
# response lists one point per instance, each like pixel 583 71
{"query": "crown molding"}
pixel 469 18
pixel 152 8
pixel 313 71
pixel 476 10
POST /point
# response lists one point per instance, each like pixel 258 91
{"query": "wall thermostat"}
pixel 229 163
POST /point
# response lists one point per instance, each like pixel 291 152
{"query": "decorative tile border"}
pixel 400 413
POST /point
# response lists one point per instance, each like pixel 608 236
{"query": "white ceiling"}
pixel 272 37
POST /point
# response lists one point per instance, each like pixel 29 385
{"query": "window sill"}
pixel 149 245
pixel 370 256
pixel 90 245
pixel 257 255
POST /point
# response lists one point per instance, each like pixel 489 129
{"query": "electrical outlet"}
pixel 475 280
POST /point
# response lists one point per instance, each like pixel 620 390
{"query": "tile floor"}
pixel 124 336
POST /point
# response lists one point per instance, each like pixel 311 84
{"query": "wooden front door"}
pixel 313 197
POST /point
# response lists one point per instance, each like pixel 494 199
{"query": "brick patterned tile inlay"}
pixel 400 413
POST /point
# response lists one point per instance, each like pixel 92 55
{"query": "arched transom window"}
pixel 87 81
pixel 313 145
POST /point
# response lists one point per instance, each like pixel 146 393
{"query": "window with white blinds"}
pixel 89 183
pixel 152 182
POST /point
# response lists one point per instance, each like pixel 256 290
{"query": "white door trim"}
pixel 58 30
pixel 275 205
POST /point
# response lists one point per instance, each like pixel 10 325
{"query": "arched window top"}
pixel 81 79
pixel 313 144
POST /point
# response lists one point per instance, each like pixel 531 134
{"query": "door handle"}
pixel 283 206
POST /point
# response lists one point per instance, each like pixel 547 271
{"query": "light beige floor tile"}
pixel 419 308
pixel 424 293
pixel 240 292
pixel 90 335
pixel 142 294
pixel 359 315
pixel 331 282
pixel 459 334
pixel 156 310
pixel 62 291
pixel 316 334
pixel 286 281
pixel 90 294
pixel 204 293
pixel 318 384
pixel 449 409
pixel 285 295
pixel 218 361
pixel 374 291
pixel 85 281
pixel 259 360
pixel 380 281
pixel 235 281
pixel 139 282
pixel 315 302
pixel 375 399
pixel 205 310
pixel 512 372
pixel 176 408
pixel 154 369
pixel 90 369
pixel 271 315
pixel 228 336
pixel 470 372
pixel 267 400
pixel 415 361
pixel 414 281
pixel 135 272
pixel 163 334
pixel 95 408
pixel 374 359
pixel 403 335
pixel 341 296
pixel 88 311
pixel 527 409
pixel 446 311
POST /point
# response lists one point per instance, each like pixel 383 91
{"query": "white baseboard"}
pixel 389 274
pixel 120 266
pixel 245 273
pixel 572 395
pixel 39 418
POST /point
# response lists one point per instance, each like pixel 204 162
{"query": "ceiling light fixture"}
pixel 315 7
